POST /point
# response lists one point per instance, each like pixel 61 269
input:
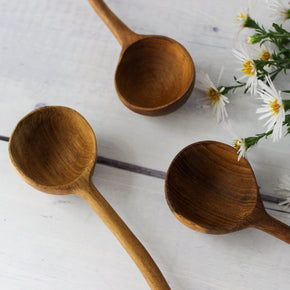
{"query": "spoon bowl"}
pixel 54 149
pixel 50 160
pixel 210 191
pixel 155 74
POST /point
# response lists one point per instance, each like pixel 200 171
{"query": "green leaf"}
pixel 251 23
pixel 286 104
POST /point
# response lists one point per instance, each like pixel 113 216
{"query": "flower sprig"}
pixel 266 68
pixel 262 71
pixel 251 141
pixel 279 37
pixel 262 59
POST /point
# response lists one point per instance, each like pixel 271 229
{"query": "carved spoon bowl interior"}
pixel 155 74
pixel 210 191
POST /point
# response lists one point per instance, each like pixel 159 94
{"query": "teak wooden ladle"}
pixel 210 191
pixel 155 74
pixel 54 149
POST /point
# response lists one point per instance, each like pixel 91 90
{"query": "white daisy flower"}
pixel 242 18
pixel 214 95
pixel 273 108
pixel 237 142
pixel 248 69
pixel 280 11
pixel 240 145
pixel 264 52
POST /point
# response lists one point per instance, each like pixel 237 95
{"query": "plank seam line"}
pixel 4 138
pixel 156 173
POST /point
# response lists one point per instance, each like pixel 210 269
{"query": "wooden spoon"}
pixel 210 191
pixel 54 149
pixel 155 74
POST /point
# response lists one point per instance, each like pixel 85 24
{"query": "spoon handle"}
pixel 273 227
pixel 128 240
pixel 123 34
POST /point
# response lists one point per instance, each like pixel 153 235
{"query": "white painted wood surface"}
pixel 60 53
pixel 57 242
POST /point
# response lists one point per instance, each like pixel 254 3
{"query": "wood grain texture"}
pixel 210 191
pixel 60 53
pixel 263 221
pixel 123 34
pixel 54 149
pixel 64 245
pixel 66 56
pixel 155 74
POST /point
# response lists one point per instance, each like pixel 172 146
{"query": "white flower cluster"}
pixel 272 108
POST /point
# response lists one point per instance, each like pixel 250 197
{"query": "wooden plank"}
pixel 56 242
pixel 60 53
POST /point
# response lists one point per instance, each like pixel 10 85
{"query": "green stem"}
pixel 227 89
pixel 278 61
pixel 251 141
pixel 277 35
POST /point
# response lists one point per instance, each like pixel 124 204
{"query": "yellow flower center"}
pixel 275 107
pixel 213 95
pixel 265 55
pixel 237 144
pixel 240 17
pixel 248 68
